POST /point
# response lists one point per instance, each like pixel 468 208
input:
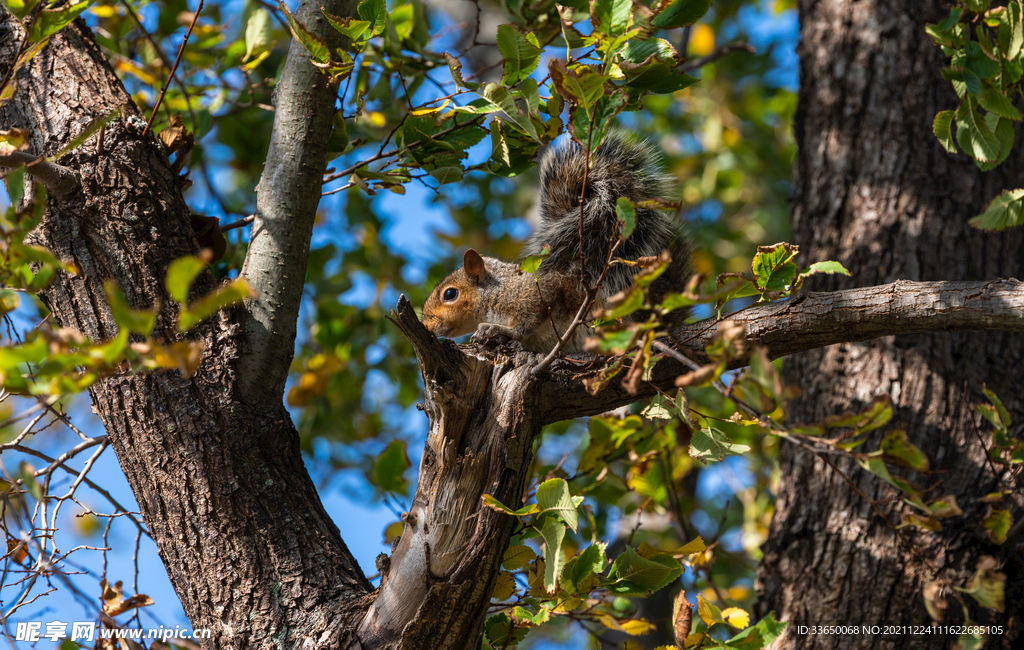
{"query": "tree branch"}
pixel 287 199
pixel 808 322
pixel 59 181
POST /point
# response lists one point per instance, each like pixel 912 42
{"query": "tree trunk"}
pixel 219 478
pixel 875 190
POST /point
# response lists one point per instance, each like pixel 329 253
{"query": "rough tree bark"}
pixel 214 459
pixel 874 190
pixel 218 476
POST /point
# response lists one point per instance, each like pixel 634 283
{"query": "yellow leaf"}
pixel 702 39
pixel 694 640
pixel 260 58
pixel 708 612
pixel 130 67
pixel 695 546
pixel 11 141
pixel 636 626
pixel 504 586
pixel 183 355
pixel 736 617
pixel 428 111
pixel 393 531
pixel 103 11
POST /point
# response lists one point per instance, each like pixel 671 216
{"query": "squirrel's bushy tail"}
pixel 619 167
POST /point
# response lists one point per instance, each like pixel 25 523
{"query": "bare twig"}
pixel 174 67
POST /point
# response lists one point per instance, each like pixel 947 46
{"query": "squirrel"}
pixel 492 297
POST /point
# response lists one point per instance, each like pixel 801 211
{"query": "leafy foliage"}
pixel 984 46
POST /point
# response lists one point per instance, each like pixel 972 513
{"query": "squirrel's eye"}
pixel 451 293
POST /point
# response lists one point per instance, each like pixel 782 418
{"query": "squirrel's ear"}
pixel 473 264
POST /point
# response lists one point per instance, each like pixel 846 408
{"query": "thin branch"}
pixel 174 67
pixel 717 54
pixel 238 224
pixel 59 181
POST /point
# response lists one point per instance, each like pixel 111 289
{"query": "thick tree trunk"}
pixel 220 480
pixel 874 189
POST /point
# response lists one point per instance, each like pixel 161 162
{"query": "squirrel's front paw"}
pixel 486 331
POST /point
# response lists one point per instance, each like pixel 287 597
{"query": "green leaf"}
pixel 455 68
pixel 759 635
pixel 711 443
pixel 374 12
pixel 610 17
pixel 27 475
pixel 521 53
pixel 681 13
pixel 533 262
pixel 525 617
pixel 636 575
pixel 973 134
pixel 978 6
pixel 773 267
pixel 9 301
pixel 998 523
pixel 988 586
pixel 1003 128
pixel 12 357
pixel 20 8
pixel 945 506
pixel 587 563
pixel 346 25
pixel 627 216
pixel 1005 211
pixel 50 21
pixel 977 61
pixel 941 129
pixel 504 100
pixel 501 632
pixel 180 274
pixel 553 496
pixel 896 446
pixel 553 531
pixel 257 33
pixel 390 466
pixel 829 267
pixel 1004 415
pixel 517 556
pixel 489 501
pixel 133 320
pixel 998 102
pixel 225 296
pixel 877 466
pixel 582 87
pixel 313 43
pixel 1016 30
pixel 657 77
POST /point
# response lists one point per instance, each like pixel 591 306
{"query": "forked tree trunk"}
pixel 875 190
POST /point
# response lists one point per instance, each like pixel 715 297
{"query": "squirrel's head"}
pixel 453 308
